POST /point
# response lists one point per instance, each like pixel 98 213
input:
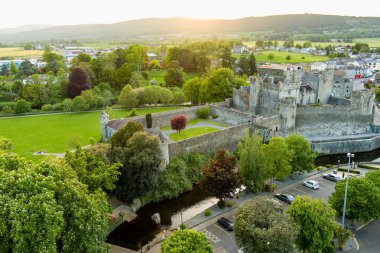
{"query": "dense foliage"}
pixel 186 240
pixel 178 122
pixel 78 82
pixel 261 226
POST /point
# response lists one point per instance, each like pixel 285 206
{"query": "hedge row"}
pixel 351 171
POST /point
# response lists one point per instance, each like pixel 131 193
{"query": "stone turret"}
pixel 287 108
pixel 104 119
pixel 254 93
pixel 363 99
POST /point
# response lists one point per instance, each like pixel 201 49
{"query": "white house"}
pixel 238 49
pixel 318 66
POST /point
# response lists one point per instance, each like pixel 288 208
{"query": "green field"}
pixel 372 42
pixel 192 132
pixel 196 121
pixel 57 132
pixel 280 57
pixel 19 52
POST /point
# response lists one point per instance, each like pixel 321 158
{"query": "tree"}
pixel 137 58
pixel 13 68
pixel 67 105
pixel 140 169
pixel 227 59
pixel 303 158
pixel 278 158
pixel 4 71
pixel 44 207
pixel 220 176
pixel 26 68
pixel 289 43
pixel 78 82
pixel 363 199
pixel 260 226
pixel 251 161
pixel 121 137
pixel 149 120
pixel 270 56
pixel 178 122
pixel 178 98
pixel 22 106
pixel 128 97
pixel 191 90
pixel 186 240
pixel 374 176
pixel 307 44
pixel 252 65
pixel 316 221
pixel 154 64
pixel 218 86
pixel 122 77
pixel 174 77
pixel 244 65
pixel 79 103
pixel 81 57
pixel 137 80
pixel 92 171
pixel 54 62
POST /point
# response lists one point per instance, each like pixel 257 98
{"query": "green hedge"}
pixel 367 167
pixel 351 171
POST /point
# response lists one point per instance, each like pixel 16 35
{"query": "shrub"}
pixel 7 110
pixel 319 168
pixel 288 57
pixel 182 226
pixel 351 171
pixel 329 166
pixel 203 113
pixel 270 56
pixel 342 234
pixel 57 107
pixel 230 204
pixel 47 108
pixel 149 120
pixel 79 103
pixel 67 105
pixel 22 106
pixel 215 116
pixel 208 212
pixel 92 140
pixel 133 113
pixel 367 167
pixel 178 122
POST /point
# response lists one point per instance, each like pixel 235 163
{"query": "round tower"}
pixel 104 119
pixel 288 107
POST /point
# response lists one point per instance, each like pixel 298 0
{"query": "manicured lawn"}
pixel 191 132
pixel 57 132
pixel 196 121
pixel 280 57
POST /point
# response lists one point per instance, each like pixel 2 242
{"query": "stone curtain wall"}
pixel 227 138
pixel 331 120
pixel 230 115
pixel 346 145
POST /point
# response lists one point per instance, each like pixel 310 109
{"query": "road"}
pixel 224 242
pixel 368 238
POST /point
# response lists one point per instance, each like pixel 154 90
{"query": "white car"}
pixel 312 184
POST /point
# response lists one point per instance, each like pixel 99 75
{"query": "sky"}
pixel 15 13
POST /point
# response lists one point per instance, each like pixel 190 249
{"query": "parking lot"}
pixel 224 241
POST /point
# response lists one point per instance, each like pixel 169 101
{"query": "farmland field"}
pixel 56 133
pixel 19 52
pixel 280 57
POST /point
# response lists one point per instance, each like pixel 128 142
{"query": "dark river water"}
pixel 143 229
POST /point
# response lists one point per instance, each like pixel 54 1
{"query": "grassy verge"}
pixel 280 57
pixel 192 132
pixel 57 132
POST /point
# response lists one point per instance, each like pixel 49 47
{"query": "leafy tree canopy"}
pixel 186 240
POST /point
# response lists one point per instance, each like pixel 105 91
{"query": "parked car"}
pixel 312 184
pixel 287 198
pixel 332 177
pixel 226 223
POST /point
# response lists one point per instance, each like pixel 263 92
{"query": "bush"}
pixel 178 122
pixel 7 110
pixel 288 57
pixel 92 140
pixel 230 204
pixel 47 108
pixel 319 168
pixel 182 226
pixel 57 107
pixel 215 116
pixel 67 105
pixel 203 113
pixel 149 120
pixel 329 166
pixel 367 167
pixel 351 171
pixel 79 103
pixel 133 113
pixel 208 212
pixel 22 106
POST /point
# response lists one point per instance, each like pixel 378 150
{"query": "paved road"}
pixel 368 238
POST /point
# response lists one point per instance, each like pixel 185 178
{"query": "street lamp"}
pixel 349 155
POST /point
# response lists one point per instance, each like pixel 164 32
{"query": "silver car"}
pixel 312 184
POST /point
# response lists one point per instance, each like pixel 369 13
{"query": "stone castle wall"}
pixel 329 120
pixel 230 115
pixel 227 138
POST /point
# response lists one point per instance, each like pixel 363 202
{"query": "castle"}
pixel 322 106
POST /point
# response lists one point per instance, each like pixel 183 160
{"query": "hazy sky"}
pixel 60 12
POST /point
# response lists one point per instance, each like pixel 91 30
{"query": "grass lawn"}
pixel 196 121
pixel 280 57
pixel 57 132
pixel 19 52
pixel 191 132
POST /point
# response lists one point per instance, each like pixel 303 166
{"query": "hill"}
pixel 185 27
pixel 25 28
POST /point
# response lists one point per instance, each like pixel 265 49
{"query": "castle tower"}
pixel 254 93
pixel 363 99
pixel 287 108
pixel 104 119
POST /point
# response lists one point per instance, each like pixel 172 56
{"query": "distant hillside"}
pixel 25 28
pixel 142 28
